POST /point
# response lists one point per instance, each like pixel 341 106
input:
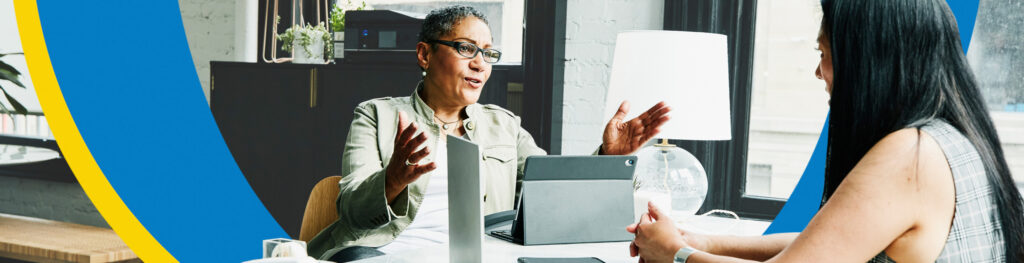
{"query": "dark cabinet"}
pixel 286 124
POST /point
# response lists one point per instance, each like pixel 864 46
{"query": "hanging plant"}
pixel 307 37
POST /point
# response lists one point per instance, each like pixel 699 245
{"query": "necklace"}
pixel 446 125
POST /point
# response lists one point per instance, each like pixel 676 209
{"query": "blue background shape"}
pixel 137 101
pixel 806 197
pixel 128 78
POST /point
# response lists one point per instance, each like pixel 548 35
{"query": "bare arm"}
pixel 758 248
pixel 898 186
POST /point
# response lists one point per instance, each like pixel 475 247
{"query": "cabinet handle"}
pixel 312 88
pixel 316 86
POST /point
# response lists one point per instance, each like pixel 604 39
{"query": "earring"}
pixel 424 73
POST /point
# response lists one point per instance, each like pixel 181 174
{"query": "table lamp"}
pixel 689 71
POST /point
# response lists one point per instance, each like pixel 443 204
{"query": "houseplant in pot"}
pixel 337 22
pixel 307 43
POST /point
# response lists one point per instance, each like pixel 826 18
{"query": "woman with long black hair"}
pixel 915 172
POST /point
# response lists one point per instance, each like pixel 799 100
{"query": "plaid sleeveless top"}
pixel 976 233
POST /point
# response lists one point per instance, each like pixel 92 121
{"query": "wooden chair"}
pixel 321 210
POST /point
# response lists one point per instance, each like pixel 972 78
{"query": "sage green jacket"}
pixel 364 216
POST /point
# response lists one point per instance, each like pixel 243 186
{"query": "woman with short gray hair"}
pixel 394 169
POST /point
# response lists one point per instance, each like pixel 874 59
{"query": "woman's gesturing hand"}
pixel 657 238
pixel 404 167
pixel 625 137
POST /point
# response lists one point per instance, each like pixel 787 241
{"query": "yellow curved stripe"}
pixel 71 143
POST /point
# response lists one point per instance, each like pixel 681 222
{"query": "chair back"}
pixel 321 209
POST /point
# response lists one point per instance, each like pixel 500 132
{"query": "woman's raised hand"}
pixel 404 167
pixel 625 137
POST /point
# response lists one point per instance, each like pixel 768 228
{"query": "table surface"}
pixel 496 250
pixel 35 239
pixel 21 154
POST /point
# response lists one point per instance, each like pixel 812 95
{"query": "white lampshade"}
pixel 687 70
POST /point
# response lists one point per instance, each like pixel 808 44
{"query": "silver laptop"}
pixel 465 202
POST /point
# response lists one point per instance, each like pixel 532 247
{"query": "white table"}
pixel 497 250
pixel 21 154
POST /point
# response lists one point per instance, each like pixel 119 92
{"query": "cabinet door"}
pixel 267 118
pixel 342 88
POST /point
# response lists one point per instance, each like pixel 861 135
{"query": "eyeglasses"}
pixel 469 50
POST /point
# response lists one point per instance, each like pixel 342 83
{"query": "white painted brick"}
pixel 209 26
pixel 587 51
pixel 591 28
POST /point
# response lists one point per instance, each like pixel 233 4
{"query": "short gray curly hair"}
pixel 441 22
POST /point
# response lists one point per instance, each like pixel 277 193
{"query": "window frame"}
pixel 544 71
pixel 726 161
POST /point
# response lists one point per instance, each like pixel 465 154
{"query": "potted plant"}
pixel 309 43
pixel 9 73
pixel 337 22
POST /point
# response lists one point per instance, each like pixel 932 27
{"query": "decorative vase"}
pixel 316 55
pixel 670 177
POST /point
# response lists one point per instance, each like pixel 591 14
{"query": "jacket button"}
pixel 470 125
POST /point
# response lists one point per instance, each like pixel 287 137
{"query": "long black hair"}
pixel 898 64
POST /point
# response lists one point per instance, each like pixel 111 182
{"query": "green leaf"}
pixel 13 78
pixel 20 109
pixel 12 53
pixel 10 68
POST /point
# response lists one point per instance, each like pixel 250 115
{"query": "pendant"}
pixel 446 126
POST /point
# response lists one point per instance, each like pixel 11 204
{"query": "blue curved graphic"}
pixel 806 197
pixel 127 76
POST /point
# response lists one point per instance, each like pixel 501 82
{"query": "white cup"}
pixel 662 200
pixel 289 250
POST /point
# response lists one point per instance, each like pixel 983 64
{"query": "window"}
pixel 779 107
pixel 726 161
pixel 788 103
pixel 32 124
pixel 504 16
pixel 996 55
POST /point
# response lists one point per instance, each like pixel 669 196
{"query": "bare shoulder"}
pixel 907 152
pixel 908 172
pixel 907 165
pixel 898 198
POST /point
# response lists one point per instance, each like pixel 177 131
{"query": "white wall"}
pixel 61 201
pixel 10 41
pixel 591 28
pixel 210 28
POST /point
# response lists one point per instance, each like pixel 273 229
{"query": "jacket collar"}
pixel 422 110
pixel 426 114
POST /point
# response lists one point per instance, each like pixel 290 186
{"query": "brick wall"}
pixel 52 200
pixel 210 28
pixel 591 28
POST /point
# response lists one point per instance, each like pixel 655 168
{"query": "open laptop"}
pixel 465 202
